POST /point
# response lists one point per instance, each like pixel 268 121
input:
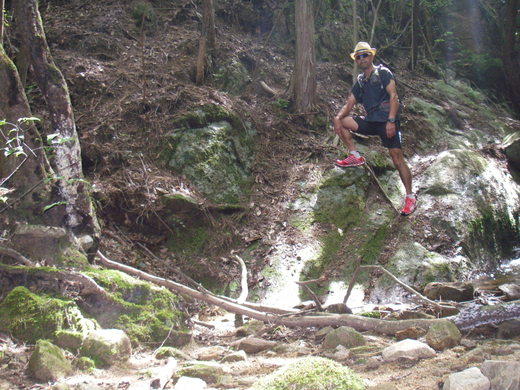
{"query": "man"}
pixel 375 88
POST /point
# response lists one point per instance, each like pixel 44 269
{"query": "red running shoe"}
pixel 410 204
pixel 350 161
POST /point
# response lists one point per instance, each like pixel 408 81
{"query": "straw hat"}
pixel 362 47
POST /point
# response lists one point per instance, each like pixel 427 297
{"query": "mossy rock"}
pixel 69 339
pixel 443 335
pixel 166 352
pixel 214 148
pixel 30 317
pixel 85 364
pixel 345 336
pixel 232 77
pixel 207 371
pixel 48 363
pixel 144 311
pixel 312 373
pixel 107 347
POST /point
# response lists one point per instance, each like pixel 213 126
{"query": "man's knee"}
pixel 349 123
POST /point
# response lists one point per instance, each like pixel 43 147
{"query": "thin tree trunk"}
pixel 415 32
pixel 2 3
pixel 78 214
pixel 305 67
pixel 510 55
pixel 375 10
pixel 206 41
pixel 355 33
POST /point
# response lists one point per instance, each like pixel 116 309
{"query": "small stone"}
pixel 185 383
pixel 255 345
pixel 252 327
pixel 470 379
pixel 510 290
pixel 235 357
pixel 212 353
pixel 320 334
pixel 383 386
pixel 338 308
pixel 209 372
pixel 408 349
pixel 344 335
pixel 502 374
pixel 410 333
pixel 443 335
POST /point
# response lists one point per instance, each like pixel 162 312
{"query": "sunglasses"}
pixel 364 55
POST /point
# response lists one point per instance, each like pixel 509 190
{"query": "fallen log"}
pixel 357 322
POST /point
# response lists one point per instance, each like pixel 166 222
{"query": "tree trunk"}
pixel 511 58
pixel 206 41
pixel 77 211
pixel 13 106
pixel 415 32
pixel 2 3
pixel 355 33
pixel 305 67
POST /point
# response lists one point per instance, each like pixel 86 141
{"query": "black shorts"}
pixel 379 129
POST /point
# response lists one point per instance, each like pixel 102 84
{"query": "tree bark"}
pixel 415 32
pixel 305 67
pixel 78 214
pixel 355 33
pixel 206 41
pixel 510 54
pixel 2 4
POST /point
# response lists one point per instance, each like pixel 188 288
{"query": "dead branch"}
pixel 320 279
pixel 15 255
pixel 356 322
pixel 367 167
pixel 436 305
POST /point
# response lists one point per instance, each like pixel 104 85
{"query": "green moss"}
pixel 331 243
pixel 85 364
pixel 371 314
pixel 372 248
pixel 188 241
pixel 146 313
pixel 312 373
pixel 29 317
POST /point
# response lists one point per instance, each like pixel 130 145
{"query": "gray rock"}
pixel 410 333
pixel 510 290
pixel 384 386
pixel 470 379
pixel 504 375
pixel 254 345
pixel 178 339
pixel 107 346
pixel 238 356
pixel 443 335
pixel 48 363
pixel 186 382
pixel 509 329
pixel 209 372
pixel 512 149
pixel 345 336
pixel 212 353
pixel 408 349
pixel 320 334
pixel 69 339
pixel 449 291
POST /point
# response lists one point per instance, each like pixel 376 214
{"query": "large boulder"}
pixel 30 317
pixel 312 373
pixel 407 349
pixel 504 375
pixel 214 149
pixel 449 291
pixel 470 379
pixel 107 347
pixel 512 149
pixel 48 363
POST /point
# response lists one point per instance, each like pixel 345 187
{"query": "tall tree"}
pixel 305 67
pixel 78 214
pixel 207 40
pixel 355 36
pixel 415 32
pixel 510 52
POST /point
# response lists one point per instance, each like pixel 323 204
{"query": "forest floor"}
pixel 127 84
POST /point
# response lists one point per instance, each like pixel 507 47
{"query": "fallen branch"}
pixel 367 167
pixel 436 305
pixel 9 252
pixel 356 322
pixel 311 293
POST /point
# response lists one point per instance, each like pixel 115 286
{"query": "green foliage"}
pixel 144 14
pixel 312 373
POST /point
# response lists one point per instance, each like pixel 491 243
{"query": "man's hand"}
pixel 390 129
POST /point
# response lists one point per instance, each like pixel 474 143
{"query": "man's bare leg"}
pixel 348 124
pixel 402 167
